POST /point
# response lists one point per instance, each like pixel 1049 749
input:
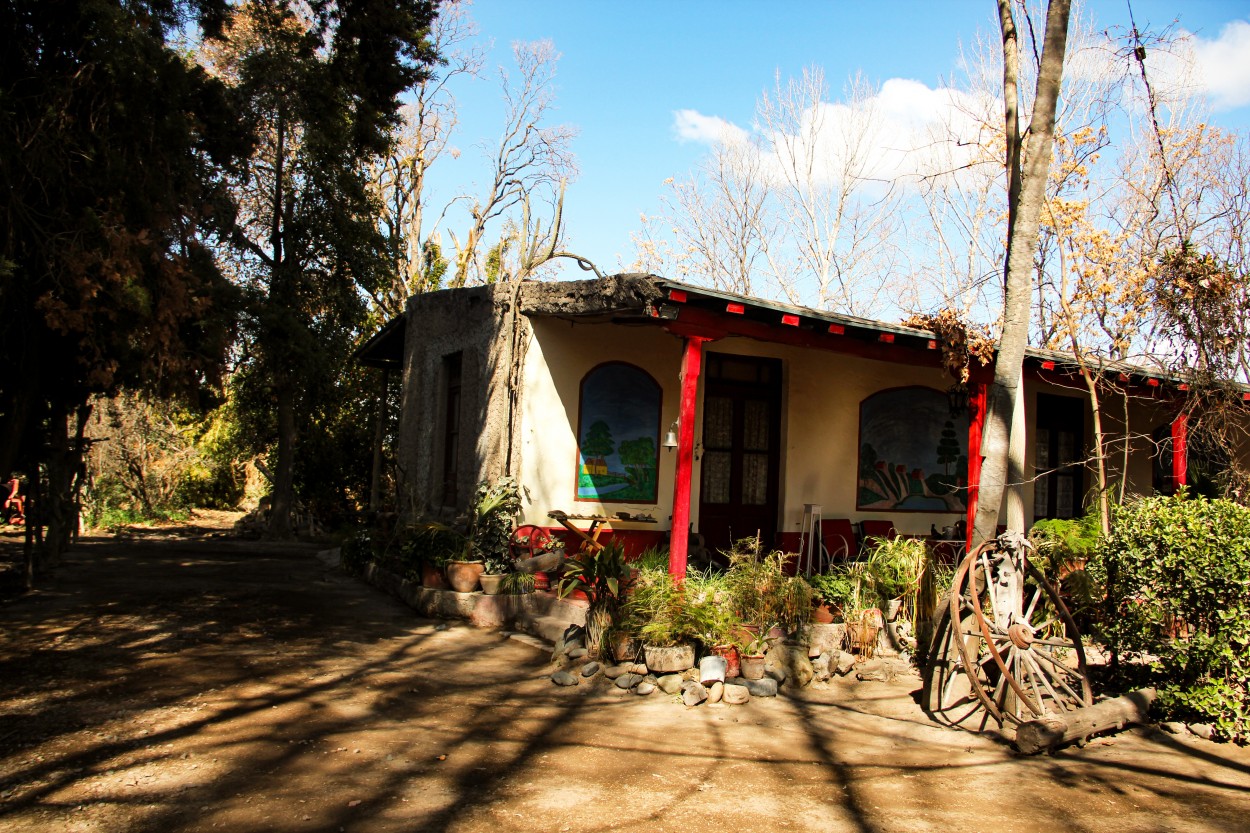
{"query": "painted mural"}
pixel 618 431
pixel 912 453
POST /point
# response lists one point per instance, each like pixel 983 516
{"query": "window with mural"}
pixel 913 452
pixel 618 435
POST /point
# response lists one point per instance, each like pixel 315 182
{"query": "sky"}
pixel 648 84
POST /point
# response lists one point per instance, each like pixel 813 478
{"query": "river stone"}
pixel 644 688
pixel 650 678
pixel 628 681
pixel 639 668
pixel 590 669
pixel 766 687
pixel 820 668
pixel 577 653
pixel 1203 730
pixel 715 692
pixel 825 639
pixel 563 678
pixel 845 662
pixel 736 695
pixel 1173 727
pixel 878 671
pixel 670 683
pixel 614 671
pixel 692 693
pixel 574 635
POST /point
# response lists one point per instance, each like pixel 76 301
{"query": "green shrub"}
pixel 1067 555
pixel 1178 594
pixel 356 552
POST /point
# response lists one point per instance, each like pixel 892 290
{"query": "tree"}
pixel 111 149
pixel 1028 163
pixel 321 93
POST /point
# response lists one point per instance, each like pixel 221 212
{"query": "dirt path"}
pixel 183 684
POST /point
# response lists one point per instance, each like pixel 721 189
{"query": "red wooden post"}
pixel 976 425
pixel 691 362
pixel 1180 450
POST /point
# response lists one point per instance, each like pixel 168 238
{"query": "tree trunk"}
pixel 1055 730
pixel 379 434
pixel 1026 193
pixel 284 471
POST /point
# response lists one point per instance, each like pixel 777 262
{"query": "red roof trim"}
pixel 678 295
pixel 790 320
pixel 736 309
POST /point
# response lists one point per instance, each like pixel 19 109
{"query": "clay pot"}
pixel 730 653
pixel 821 614
pixel 625 648
pixel 432 577
pixel 464 576
pixel 668 659
pixel 491 583
pixel 752 666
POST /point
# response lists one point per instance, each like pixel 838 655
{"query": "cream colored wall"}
pixel 821 394
pixel 559 355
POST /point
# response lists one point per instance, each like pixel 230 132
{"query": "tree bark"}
pixel 284 471
pixel 1026 193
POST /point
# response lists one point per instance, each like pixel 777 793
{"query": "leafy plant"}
pixel 1178 597
pixel 426 542
pixel 494 510
pixel 602 576
pixel 1066 554
pixel 761 592
pixel 657 609
pixel 711 613
pixel 837 589
pixel 895 565
pixel 356 552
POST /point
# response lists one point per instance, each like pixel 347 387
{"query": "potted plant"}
pixel 665 621
pixel 491 517
pixel 764 597
pixel 753 656
pixel 833 595
pixel 717 623
pixel 601 575
pixel 894 568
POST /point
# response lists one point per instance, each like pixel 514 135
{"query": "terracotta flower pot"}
pixel 463 576
pixel 491 583
pixel 821 614
pixel 730 653
pixel 625 648
pixel 752 666
pixel 432 577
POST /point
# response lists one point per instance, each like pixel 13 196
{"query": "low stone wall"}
pixel 540 614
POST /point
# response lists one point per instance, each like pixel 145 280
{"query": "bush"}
pixel 1178 594
pixel 356 552
pixel 1067 555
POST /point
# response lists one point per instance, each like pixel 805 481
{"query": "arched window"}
pixel 913 452
pixel 618 435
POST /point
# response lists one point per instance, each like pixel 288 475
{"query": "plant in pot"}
pixel 602 576
pixel 491 516
pixel 665 621
pixel 762 594
pixel 834 593
pixel 894 568
pixel 713 616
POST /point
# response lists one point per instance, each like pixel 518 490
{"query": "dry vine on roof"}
pixel 961 342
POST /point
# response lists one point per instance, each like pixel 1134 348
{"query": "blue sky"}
pixel 628 68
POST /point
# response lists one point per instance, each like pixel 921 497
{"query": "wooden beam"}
pixel 1057 729
pixel 691 364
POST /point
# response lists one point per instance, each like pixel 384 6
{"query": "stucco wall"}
pixel 476 323
pixel 821 396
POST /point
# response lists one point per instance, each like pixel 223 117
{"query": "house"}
pixel 671 406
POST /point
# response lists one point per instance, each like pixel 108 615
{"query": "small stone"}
pixel 762 688
pixel 845 663
pixel 692 693
pixel 442 627
pixel 736 695
pixel 644 688
pixel 715 692
pixel 590 669
pixel 574 635
pixel 639 668
pixel 563 678
pixel 628 681
pixel 670 683
pixel 577 653
pixel 1174 727
pixel 1203 730
pixel 614 671
pixel 820 668
pixel 650 678
pixel 877 671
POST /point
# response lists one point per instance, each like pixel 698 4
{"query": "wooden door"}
pixel 741 454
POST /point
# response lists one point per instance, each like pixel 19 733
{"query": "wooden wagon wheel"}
pixel 529 541
pixel 1006 648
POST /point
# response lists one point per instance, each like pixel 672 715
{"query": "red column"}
pixel 1180 450
pixel 691 363
pixel 976 425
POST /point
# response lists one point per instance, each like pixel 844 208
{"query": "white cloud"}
pixel 1224 65
pixel 693 126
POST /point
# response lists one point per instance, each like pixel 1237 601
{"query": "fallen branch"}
pixel 1109 715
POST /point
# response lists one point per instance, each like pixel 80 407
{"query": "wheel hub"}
pixel 1021 635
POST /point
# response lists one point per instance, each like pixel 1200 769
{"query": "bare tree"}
pixel 1028 163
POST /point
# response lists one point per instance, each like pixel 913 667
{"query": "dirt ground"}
pixel 178 681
